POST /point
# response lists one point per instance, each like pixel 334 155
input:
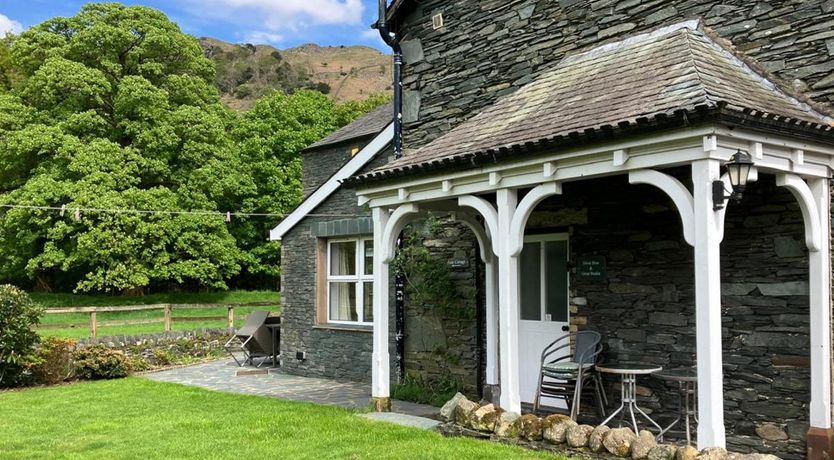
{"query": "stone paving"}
pixel 226 376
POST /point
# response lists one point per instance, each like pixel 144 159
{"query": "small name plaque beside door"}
pixel 591 268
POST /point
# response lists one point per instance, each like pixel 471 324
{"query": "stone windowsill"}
pixel 344 327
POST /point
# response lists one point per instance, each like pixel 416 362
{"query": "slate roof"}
pixel 367 125
pixel 675 73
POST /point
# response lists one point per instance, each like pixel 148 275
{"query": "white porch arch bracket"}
pixel 677 192
pixel 810 210
pixel 393 227
pixel 814 202
pixel 515 239
pixel 487 211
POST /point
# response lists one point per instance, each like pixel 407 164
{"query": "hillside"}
pixel 246 72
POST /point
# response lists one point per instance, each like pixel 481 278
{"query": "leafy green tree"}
pixel 116 109
pixel 271 136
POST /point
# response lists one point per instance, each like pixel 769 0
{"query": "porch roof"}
pixel 674 76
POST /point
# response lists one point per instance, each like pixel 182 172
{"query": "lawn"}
pixel 138 418
pixel 82 319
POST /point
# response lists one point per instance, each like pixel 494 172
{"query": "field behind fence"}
pixel 106 320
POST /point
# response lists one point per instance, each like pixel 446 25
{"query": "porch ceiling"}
pixel 674 76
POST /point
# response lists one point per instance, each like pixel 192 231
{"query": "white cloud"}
pixel 292 14
pixel 372 35
pixel 261 37
pixel 8 25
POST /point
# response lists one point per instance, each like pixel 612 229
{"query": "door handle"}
pixel 565 328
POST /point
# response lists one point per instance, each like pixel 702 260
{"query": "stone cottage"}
pixel 564 133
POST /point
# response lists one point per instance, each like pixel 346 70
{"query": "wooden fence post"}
pixel 93 323
pixel 231 318
pixel 167 311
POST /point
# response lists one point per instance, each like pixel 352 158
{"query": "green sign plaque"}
pixel 591 268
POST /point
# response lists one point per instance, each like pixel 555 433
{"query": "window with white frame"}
pixel 350 280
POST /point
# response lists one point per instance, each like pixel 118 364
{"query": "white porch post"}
pixel 491 287
pixel 381 370
pixel 820 306
pixel 508 300
pixel 711 431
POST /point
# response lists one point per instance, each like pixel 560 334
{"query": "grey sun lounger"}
pixel 253 340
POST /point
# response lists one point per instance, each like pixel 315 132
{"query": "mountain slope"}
pixel 246 72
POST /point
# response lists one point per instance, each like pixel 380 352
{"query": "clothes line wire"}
pixel 80 209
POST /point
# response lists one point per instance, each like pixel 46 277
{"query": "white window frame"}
pixel 359 279
pixel 543 238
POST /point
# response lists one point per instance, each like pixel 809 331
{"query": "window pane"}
pixel 369 257
pixel 369 302
pixel 531 286
pixel 343 302
pixel 556 280
pixel 343 258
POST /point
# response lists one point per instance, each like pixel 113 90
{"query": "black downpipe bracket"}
pixel 393 41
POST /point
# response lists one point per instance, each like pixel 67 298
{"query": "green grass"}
pixel 83 319
pixel 54 300
pixel 138 418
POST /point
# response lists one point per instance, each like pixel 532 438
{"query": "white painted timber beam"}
pixel 819 271
pixel 808 206
pixel 380 367
pixel 676 191
pixel 395 224
pixel 515 238
pixel 711 430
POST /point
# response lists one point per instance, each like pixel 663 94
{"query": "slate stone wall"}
pixel 441 346
pixel 321 163
pixel 645 307
pixel 490 48
pixel 331 352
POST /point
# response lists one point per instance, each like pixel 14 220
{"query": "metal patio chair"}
pixel 566 377
pixel 253 340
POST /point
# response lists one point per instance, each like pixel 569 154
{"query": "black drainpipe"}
pixel 393 41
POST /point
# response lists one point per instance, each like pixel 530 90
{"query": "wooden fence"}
pixel 167 317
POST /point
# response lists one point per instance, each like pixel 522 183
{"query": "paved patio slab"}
pixel 224 376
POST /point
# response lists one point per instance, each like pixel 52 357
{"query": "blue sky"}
pixel 281 23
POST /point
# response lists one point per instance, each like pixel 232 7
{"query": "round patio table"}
pixel 687 380
pixel 628 390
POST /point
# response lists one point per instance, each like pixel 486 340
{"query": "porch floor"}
pixel 225 375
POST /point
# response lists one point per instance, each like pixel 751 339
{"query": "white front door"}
pixel 544 307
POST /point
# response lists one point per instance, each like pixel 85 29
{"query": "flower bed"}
pixel 561 434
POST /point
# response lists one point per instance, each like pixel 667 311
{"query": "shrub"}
pixel 436 391
pixel 54 361
pixel 18 315
pixel 99 362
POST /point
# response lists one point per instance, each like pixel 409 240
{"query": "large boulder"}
pixel 662 452
pixel 595 439
pixel 508 425
pixel 640 448
pixel 485 417
pixel 447 412
pixel 577 436
pixel 464 412
pixel 713 453
pixel 618 441
pixel 557 432
pixel 686 453
pixel 553 419
pixel 530 427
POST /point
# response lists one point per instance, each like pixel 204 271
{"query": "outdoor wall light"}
pixel 738 170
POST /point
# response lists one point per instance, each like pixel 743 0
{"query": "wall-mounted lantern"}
pixel 738 170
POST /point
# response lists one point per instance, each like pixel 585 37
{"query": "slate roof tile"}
pixel 649 75
pixel 367 125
